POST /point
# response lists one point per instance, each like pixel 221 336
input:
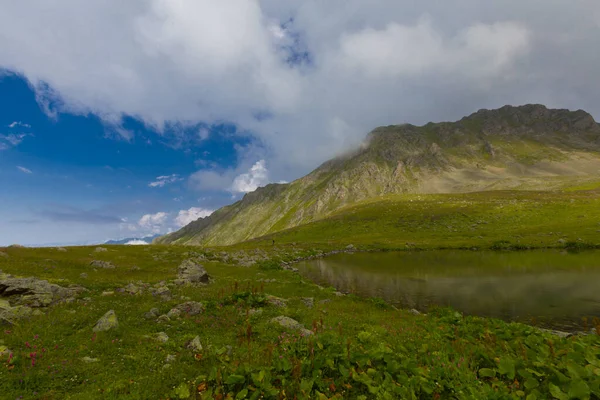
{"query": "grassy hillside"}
pixel 485 220
pixel 356 348
pixel 513 148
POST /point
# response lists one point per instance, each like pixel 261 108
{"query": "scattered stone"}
pixel 153 313
pixel 163 319
pixel 161 337
pixel 34 292
pixel 102 264
pixel 100 249
pixel 190 308
pixel 339 294
pixel 560 334
pixel 350 247
pixel 290 323
pixel 4 351
pixel 89 360
pixel 561 241
pixel 190 272
pixel 170 358
pixel 276 301
pixel 308 301
pixel 415 312
pixel 107 293
pixel 107 322
pixel 163 292
pixel 325 301
pixel 133 289
pixel 83 275
pixel 174 313
pixel 135 268
pixel 61 249
pixel 194 345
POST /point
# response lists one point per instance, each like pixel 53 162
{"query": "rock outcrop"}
pixel 190 272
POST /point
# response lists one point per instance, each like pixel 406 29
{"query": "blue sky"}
pixel 121 119
pixel 71 178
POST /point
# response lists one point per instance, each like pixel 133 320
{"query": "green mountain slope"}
pixel 517 148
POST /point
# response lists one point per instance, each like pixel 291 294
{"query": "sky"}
pixel 125 119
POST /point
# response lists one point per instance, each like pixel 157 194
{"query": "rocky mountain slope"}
pixel 517 148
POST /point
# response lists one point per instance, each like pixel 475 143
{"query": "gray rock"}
pixel 308 301
pixel 107 322
pixel 174 313
pixel 163 319
pixel 191 308
pixel 350 247
pixel 194 345
pixel 133 289
pixel 89 360
pixel 276 301
pixel 4 351
pixel 339 294
pixel 153 313
pixel 190 272
pixel 161 337
pixel 102 264
pixel 61 249
pixel 163 292
pixel 415 312
pixel 170 358
pixel 34 292
pixel 290 323
pixel 100 249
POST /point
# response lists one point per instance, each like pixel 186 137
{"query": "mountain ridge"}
pixel 517 148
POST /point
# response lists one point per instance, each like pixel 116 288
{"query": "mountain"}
pixel 528 147
pixel 146 239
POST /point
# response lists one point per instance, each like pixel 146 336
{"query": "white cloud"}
pixel 136 242
pixel 165 180
pixel 256 177
pixel 187 216
pixel 11 140
pixel 24 170
pixel 19 124
pixel 154 223
pixel 372 63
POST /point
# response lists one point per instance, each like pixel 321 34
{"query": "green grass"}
pixel 518 219
pixel 362 348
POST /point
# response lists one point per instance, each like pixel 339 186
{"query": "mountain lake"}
pixel 547 288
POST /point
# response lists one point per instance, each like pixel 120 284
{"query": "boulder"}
pixel 107 322
pixel 34 292
pixel 174 313
pixel 102 264
pixel 4 351
pixel 194 345
pixel 191 308
pixel 276 301
pixel 161 337
pixel 308 301
pixel 61 249
pixel 153 313
pixel 163 319
pixel 290 323
pixel 133 289
pixel 163 292
pixel 190 272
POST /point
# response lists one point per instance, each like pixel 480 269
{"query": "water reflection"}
pixel 554 289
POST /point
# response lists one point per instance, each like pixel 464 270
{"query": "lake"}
pixel 543 287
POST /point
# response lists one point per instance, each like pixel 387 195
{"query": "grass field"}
pixel 358 349
pixel 517 219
